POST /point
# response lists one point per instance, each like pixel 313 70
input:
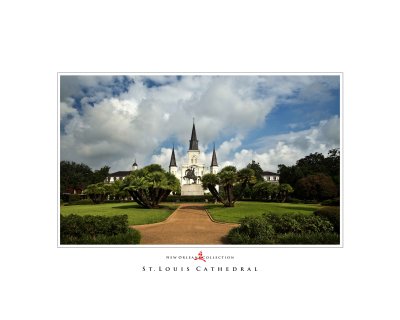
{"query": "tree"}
pixel 100 175
pixel 74 176
pixel 229 181
pixel 284 190
pixel 332 162
pixel 289 174
pixel 117 191
pixel 258 171
pixel 316 187
pixel 262 190
pixel 149 185
pixel 313 164
pixel 77 176
pixel 98 192
pixel 210 182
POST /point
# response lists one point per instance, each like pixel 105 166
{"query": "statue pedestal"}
pixel 192 190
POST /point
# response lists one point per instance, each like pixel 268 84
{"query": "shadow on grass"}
pixel 132 206
pixel 136 206
pixel 200 208
pixel 312 209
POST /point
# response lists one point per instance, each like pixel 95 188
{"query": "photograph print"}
pixel 200 159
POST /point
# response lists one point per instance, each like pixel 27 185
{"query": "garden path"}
pixel 189 224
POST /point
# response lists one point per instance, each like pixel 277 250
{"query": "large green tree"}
pixel 258 171
pixel 228 179
pixel 98 192
pixel 74 176
pixel 316 187
pixel 149 185
pixel 77 176
pixel 313 164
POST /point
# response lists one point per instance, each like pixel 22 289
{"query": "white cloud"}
pixel 288 148
pixel 114 130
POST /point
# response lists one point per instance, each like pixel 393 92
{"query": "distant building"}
pixel 120 175
pixel 270 176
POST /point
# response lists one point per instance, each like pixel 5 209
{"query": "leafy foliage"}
pixel 132 236
pixel 89 229
pixel 258 171
pixel 204 198
pixel 75 176
pixel 232 184
pixel 316 187
pixel 271 228
pixel 150 185
pixel 271 191
pixel 98 192
pixel 311 165
pixel 332 214
pixel 331 202
pixel 308 238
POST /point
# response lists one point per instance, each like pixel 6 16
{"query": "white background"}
pixel 39 39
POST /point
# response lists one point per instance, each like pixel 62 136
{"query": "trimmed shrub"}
pixel 331 202
pixel 252 230
pixel 269 229
pixel 174 198
pixel 74 197
pixel 89 229
pixel 331 214
pixel 297 223
pixel 132 236
pixel 308 238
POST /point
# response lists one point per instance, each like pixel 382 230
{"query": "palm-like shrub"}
pixel 150 185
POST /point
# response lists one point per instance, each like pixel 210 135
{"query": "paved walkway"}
pixel 189 224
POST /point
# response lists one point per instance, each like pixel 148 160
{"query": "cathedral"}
pixel 190 173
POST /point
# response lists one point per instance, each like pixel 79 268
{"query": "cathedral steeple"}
pixel 214 162
pixel 172 163
pixel 193 143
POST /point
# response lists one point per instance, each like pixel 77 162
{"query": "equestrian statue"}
pixel 190 175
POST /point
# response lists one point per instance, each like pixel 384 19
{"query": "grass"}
pixel 254 209
pixel 136 214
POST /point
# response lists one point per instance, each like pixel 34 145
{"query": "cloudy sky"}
pixel 113 120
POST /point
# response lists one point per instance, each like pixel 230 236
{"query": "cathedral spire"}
pixel 194 143
pixel 214 162
pixel 172 163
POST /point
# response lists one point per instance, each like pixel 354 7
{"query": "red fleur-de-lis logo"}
pixel 200 257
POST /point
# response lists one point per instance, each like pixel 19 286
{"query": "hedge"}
pixel 89 229
pixel 203 198
pixel 308 238
pixel 331 202
pixel 332 214
pixel 286 228
pixel 132 236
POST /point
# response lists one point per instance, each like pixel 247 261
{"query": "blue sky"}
pixel 113 120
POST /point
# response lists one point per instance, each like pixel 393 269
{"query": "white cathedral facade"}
pixel 189 173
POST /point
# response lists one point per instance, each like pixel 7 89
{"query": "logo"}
pixel 200 257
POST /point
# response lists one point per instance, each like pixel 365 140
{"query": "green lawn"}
pixel 251 209
pixel 136 214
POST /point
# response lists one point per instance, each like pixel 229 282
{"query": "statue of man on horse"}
pixel 190 175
